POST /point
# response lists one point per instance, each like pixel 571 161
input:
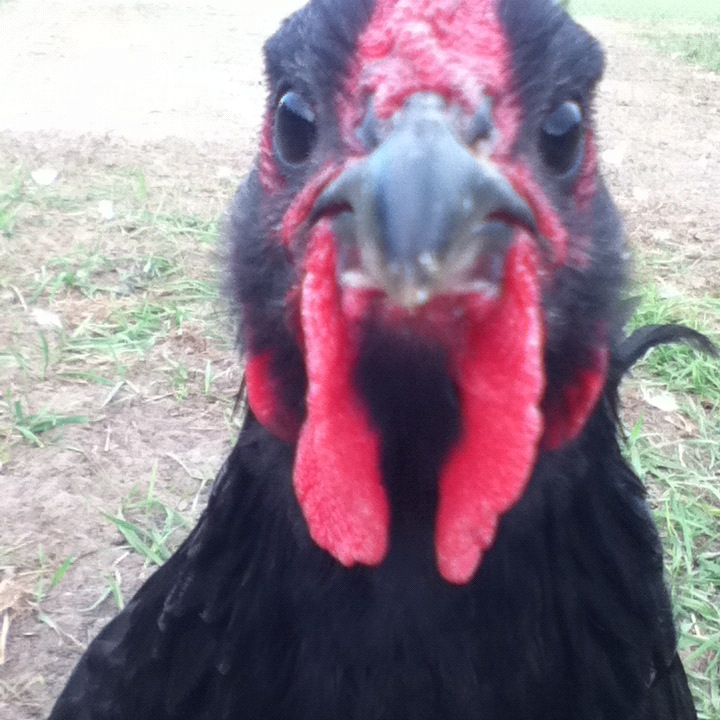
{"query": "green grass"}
pixel 697 48
pixel 696 41
pixel 685 495
pixel 92 272
pixel 143 296
pixel 681 368
pixel 681 466
pixel 676 10
pixel 204 230
pixel 31 426
pixel 132 330
pixel 47 582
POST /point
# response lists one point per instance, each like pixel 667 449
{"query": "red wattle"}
pixel 500 381
pixel 337 475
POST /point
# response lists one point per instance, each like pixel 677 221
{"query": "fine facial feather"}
pixel 566 616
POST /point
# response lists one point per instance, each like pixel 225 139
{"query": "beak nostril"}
pixel 369 131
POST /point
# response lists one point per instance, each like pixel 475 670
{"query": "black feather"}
pixel 645 338
pixel 567 619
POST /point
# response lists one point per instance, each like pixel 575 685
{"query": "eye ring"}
pixel 562 139
pixel 294 129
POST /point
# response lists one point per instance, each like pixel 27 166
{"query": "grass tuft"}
pixel 30 426
pixel 148 524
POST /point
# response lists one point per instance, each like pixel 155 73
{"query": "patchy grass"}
pixel 138 273
pixel 110 329
pixel 683 475
pixel 698 47
pixel 675 446
pixel 688 31
pixel 681 368
pixel 9 199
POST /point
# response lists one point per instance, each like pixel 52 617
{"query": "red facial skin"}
pixel 270 176
pixel 458 50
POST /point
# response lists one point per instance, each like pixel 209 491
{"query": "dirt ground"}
pixel 175 88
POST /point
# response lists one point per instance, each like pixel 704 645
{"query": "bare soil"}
pixel 175 89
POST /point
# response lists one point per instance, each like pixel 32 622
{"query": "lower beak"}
pixel 421 215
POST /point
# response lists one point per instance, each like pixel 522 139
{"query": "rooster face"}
pixel 427 176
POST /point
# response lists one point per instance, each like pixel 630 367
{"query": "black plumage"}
pixel 568 616
pixel 565 619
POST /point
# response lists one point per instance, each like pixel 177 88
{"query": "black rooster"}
pixel 427 514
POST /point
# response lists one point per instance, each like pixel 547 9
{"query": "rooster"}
pixel 427 514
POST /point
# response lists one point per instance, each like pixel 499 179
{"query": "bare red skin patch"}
pixel 337 475
pixel 500 380
pixel 565 418
pixel 264 398
pixel 550 228
pixel 270 176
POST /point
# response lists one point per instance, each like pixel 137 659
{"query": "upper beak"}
pixel 421 213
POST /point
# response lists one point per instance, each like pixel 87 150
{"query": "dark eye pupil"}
pixel 561 139
pixel 295 131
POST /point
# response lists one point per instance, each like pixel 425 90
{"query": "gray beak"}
pixel 421 214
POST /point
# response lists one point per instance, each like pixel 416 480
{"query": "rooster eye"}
pixel 295 131
pixel 561 139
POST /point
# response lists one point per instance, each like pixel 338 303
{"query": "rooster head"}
pixel 425 255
